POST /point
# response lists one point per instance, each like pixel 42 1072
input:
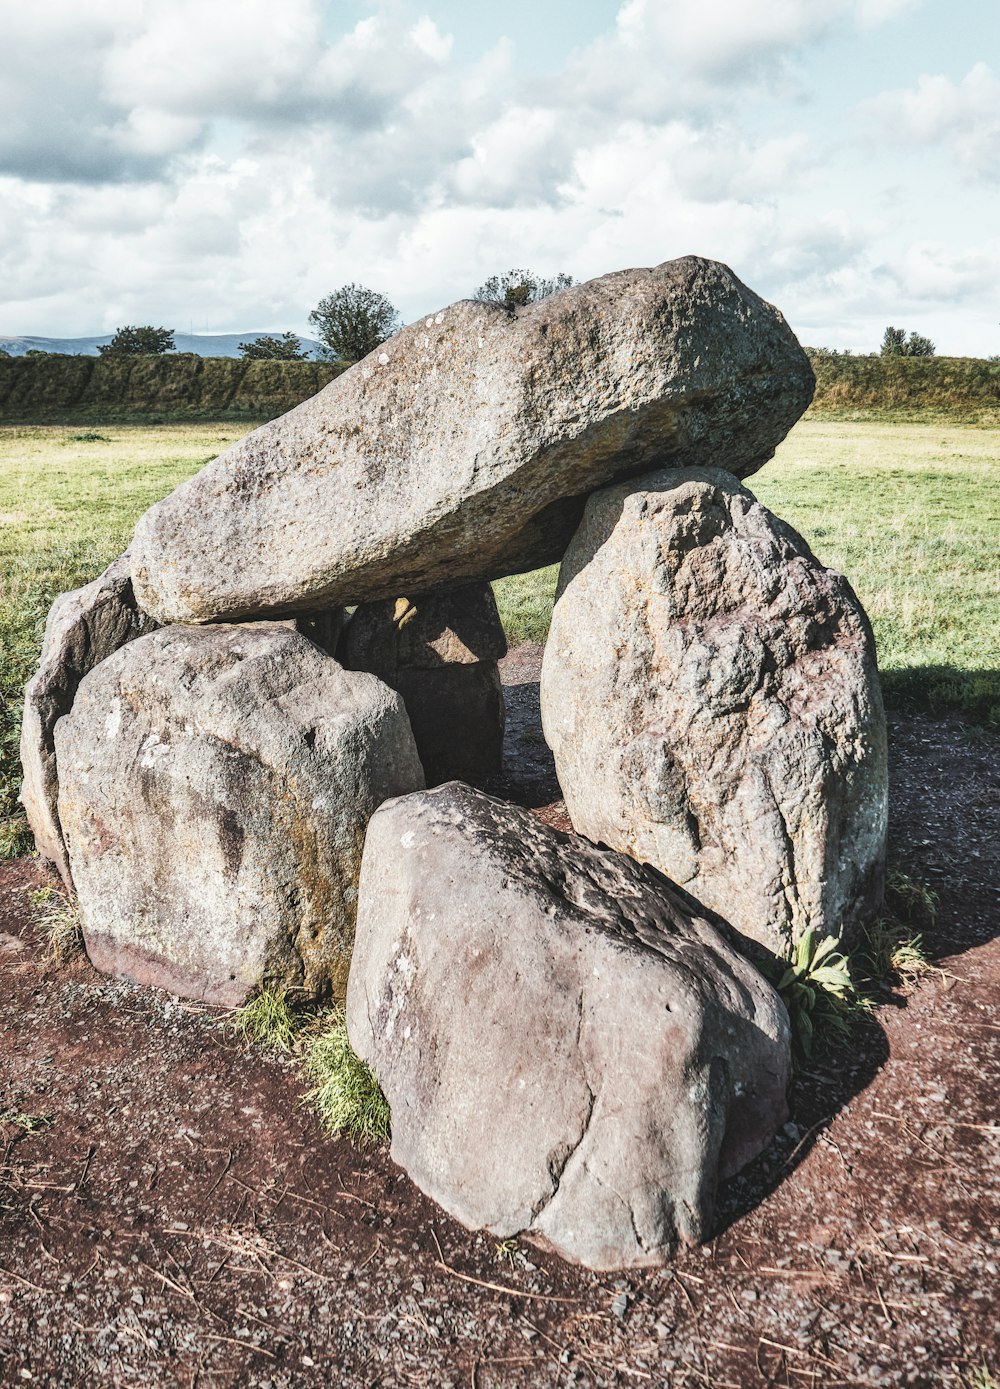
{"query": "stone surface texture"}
pixel 83 628
pixel 710 694
pixel 215 787
pixel 463 448
pixel 569 1049
pixel 440 652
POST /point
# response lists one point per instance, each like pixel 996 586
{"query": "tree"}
pixel 516 288
pixel 895 343
pixel 287 348
pixel 919 346
pixel 145 341
pixel 352 321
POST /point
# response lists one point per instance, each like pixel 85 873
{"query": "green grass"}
pixel 981 1377
pixel 961 390
pixel 525 604
pixel 910 903
pixel 175 387
pixel 68 504
pixel 29 1123
pixel 345 1093
pixel 268 1019
pixel 909 512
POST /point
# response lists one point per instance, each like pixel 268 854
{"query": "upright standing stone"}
pixel 570 1051
pixel 83 628
pixel 711 697
pixel 463 448
pixel 440 651
pixel 215 787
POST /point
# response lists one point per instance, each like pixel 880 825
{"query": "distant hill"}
pixel 201 344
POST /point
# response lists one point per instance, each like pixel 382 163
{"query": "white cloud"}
pixel 874 12
pixel 231 161
pixel 725 36
pixel 430 41
pixel 932 271
pixel 964 116
pixel 521 157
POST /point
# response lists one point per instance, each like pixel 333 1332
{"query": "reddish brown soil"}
pixel 180 1220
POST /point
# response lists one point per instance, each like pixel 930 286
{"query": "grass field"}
pixel 910 513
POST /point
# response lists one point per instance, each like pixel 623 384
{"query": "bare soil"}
pixel 172 1215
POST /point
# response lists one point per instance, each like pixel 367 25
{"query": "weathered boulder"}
pixel 463 448
pixel 440 652
pixel 214 788
pixel 711 697
pixel 570 1051
pixel 83 628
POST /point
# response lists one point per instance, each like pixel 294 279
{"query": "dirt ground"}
pixel 172 1215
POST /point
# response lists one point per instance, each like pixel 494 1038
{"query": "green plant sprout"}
pixel 818 990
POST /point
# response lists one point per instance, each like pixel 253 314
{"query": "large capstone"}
pixel 215 786
pixel 83 628
pixel 570 1050
pixel 440 651
pixel 710 693
pixel 464 447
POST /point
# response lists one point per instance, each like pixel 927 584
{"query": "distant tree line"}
pixel 349 323
pixel 354 320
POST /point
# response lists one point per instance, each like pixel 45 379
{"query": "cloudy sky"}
pixel 223 164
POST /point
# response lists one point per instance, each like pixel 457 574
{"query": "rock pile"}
pixel 573 1046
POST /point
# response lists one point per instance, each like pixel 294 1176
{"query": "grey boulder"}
pixel 710 693
pixel 569 1051
pixel 83 628
pixel 463 448
pixel 215 785
pixel 440 652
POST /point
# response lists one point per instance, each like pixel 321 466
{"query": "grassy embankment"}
pixel 907 390
pixel 910 513
pixel 153 390
pixel 179 388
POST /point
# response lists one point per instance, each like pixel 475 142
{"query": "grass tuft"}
pixel 910 902
pixel 29 1123
pixel 268 1019
pixel 979 1378
pixel 894 955
pixel 59 923
pixel 345 1093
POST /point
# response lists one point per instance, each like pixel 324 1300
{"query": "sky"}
pixel 221 165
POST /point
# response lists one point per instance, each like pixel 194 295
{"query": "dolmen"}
pixel 258 748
